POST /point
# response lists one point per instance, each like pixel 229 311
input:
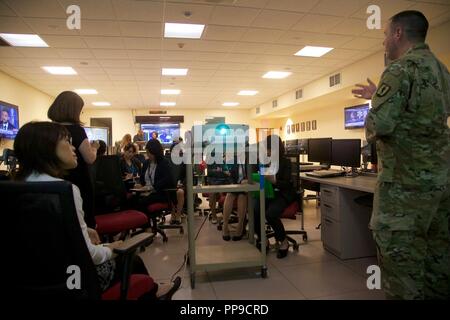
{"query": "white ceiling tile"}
pixel 181 55
pixel 116 71
pixel 104 42
pixel 310 23
pixel 17 62
pixel 388 8
pixel 250 3
pixel 83 71
pixel 249 47
pixel 276 19
pixel 146 64
pixel 110 54
pixel 342 8
pixel 292 5
pixel 147 72
pixel 262 35
pixel 99 28
pixel 362 43
pixel 138 10
pixel 431 10
pixel 314 39
pixel 14 25
pixel 233 16
pixel 210 56
pixel 144 54
pixel 240 57
pixel 6 11
pixel 66 42
pixel 350 26
pixel 280 49
pixel 142 43
pixel 175 12
pixel 342 54
pixel 213 32
pixel 44 26
pixel 111 63
pixel 39 52
pixel 197 45
pixel 75 53
pixel 141 29
pixel 97 9
pixel 41 8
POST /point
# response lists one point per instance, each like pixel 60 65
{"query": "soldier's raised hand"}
pixel 365 91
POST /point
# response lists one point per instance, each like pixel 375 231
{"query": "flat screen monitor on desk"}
pixel 346 152
pixel 319 150
pixel 303 146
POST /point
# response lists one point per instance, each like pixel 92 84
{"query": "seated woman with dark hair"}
pixel 45 153
pixel 280 177
pixel 156 175
pixel 129 165
pixel 101 151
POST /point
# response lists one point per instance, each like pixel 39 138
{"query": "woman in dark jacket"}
pixel 156 174
pixel 284 196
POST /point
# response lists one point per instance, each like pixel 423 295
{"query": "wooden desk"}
pixel 345 231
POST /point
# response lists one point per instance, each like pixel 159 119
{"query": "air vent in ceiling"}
pixel 258 110
pixel 299 94
pixel 335 79
pixel 274 103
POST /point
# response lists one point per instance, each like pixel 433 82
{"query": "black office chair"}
pixel 48 240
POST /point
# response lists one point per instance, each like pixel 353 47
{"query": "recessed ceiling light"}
pixel 183 30
pixel 60 70
pixel 230 104
pixel 277 74
pixel 170 91
pixel 101 104
pixel 86 91
pixel 311 51
pixel 23 40
pixel 167 104
pixel 247 92
pixel 174 72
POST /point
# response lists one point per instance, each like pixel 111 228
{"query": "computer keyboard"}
pixel 325 173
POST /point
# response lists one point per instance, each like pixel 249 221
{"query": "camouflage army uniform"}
pixel 410 219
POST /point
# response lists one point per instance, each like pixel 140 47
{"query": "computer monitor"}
pixel 346 152
pixel 97 133
pixel 303 146
pixel 291 146
pixel 9 120
pixel 319 150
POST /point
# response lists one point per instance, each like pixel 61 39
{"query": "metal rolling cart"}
pixel 230 255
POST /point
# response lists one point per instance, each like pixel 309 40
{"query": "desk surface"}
pixel 361 183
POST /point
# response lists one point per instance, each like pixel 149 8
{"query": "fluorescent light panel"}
pixel 86 91
pixel 101 104
pixel 277 74
pixel 59 70
pixel 183 30
pixel 311 51
pixel 247 92
pixel 23 40
pixel 167 104
pixel 174 72
pixel 170 91
pixel 230 104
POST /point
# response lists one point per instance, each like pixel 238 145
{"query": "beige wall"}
pixel 33 104
pixel 123 119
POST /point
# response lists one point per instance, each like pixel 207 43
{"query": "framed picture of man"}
pixel 288 129
pixel 308 125
pixel 293 128
pixel 303 126
pixel 314 125
pixel 297 127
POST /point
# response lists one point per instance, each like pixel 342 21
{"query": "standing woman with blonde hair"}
pixel 66 110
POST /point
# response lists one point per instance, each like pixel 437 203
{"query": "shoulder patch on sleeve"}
pixel 383 89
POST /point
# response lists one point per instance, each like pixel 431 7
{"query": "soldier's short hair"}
pixel 414 24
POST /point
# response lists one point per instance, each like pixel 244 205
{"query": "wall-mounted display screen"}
pixel 355 116
pixel 9 120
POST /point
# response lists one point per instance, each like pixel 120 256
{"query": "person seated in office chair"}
pixel 101 151
pixel 238 175
pixel 284 196
pixel 130 166
pixel 155 175
pixel 44 152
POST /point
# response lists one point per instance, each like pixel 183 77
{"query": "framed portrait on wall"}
pixel 303 126
pixel 292 128
pixel 288 129
pixel 314 125
pixel 308 125
pixel 297 127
